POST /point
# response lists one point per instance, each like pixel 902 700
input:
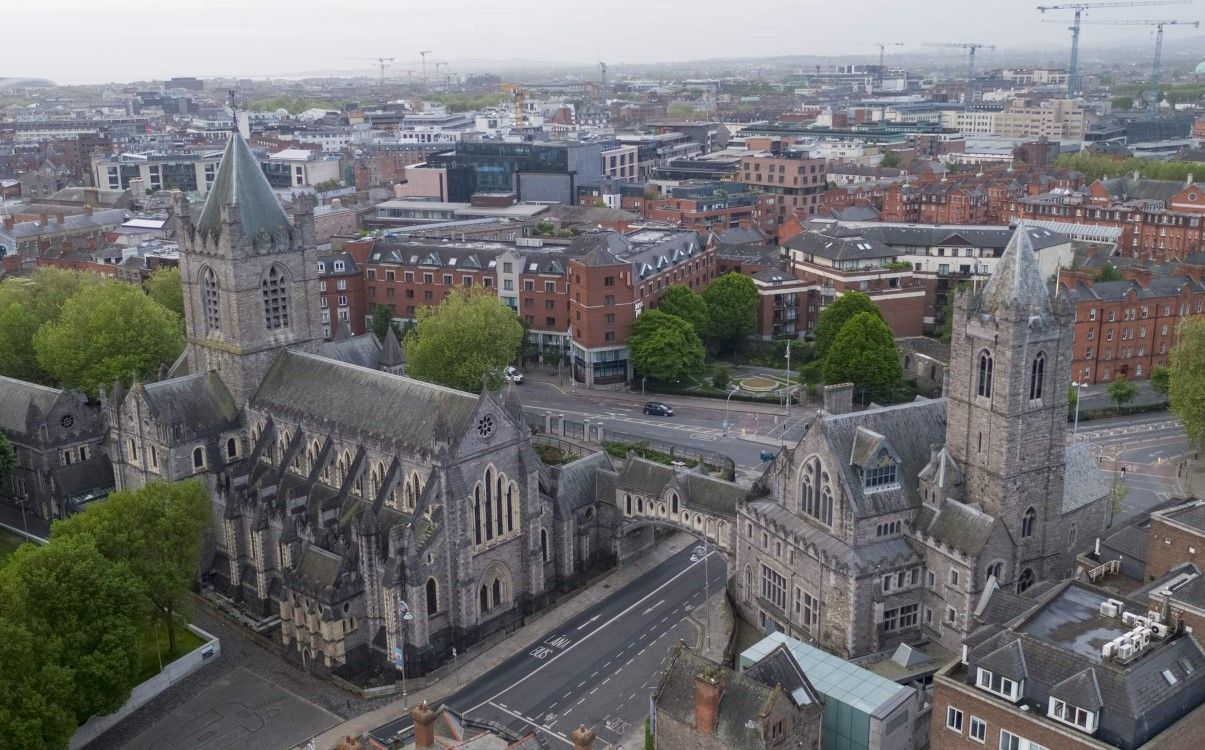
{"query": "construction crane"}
pixel 423 54
pixel 1077 21
pixel 602 75
pixel 382 63
pixel 438 64
pixel 971 47
pixel 1152 92
pixel 518 94
pixel 882 54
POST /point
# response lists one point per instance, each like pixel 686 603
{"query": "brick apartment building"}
pixel 1160 219
pixel 341 287
pixel 709 206
pixel 616 277
pixel 1127 328
pixel 578 297
pixel 937 197
pixel 1175 560
pixel 1070 669
pixel 793 184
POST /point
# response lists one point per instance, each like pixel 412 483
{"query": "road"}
pixel 693 424
pixel 597 669
pixel 1149 447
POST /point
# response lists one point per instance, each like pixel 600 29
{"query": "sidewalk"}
pixel 474 666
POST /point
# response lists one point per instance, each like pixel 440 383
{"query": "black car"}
pixel 658 409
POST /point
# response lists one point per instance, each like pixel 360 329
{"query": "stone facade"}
pixel 884 526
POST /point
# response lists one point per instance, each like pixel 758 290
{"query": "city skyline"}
pixel 275 38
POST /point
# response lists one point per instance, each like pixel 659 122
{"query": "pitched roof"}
pixel 16 398
pixel 959 525
pixel 391 351
pixel 1017 281
pixel 1080 689
pixel 363 350
pixel 241 184
pixel 1083 481
pixel 199 401
pixel 359 398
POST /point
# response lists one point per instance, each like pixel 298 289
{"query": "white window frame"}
pixel 977 730
pixel 954 719
pixel 1008 688
pixel 1059 710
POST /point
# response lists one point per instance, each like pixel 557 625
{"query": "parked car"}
pixel 658 409
pixel 513 375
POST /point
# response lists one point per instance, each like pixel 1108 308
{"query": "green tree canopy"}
pixel 26 303
pixel 35 713
pixel 469 337
pixel 891 160
pixel 165 287
pixel 1109 272
pixel 382 321
pixel 836 315
pixel 1121 391
pixel 18 324
pixel 106 333
pixel 732 309
pixel 864 354
pixel 8 459
pixel 156 532
pixel 664 346
pixel 1187 382
pixel 1161 379
pixel 84 612
pixel 684 302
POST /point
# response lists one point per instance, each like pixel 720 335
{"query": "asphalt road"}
pixel 1148 446
pixel 692 425
pixel 597 669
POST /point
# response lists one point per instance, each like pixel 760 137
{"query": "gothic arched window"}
pixel 544 545
pixel 477 538
pixel 212 299
pixel 1036 373
pixel 1025 580
pixel 432 597
pixel 231 448
pixel 985 374
pixel 1028 521
pixel 485 599
pixel 198 458
pixel 673 503
pixel 276 299
pixel 995 569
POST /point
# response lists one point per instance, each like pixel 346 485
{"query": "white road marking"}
pixel 530 722
pixel 587 622
pixel 650 609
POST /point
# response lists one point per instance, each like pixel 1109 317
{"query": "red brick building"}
pixel 708 207
pixel 1160 219
pixel 793 184
pixel 341 287
pixel 1074 669
pixel 1127 328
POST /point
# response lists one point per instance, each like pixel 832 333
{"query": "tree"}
pixel 18 324
pixel 1161 380
pixel 8 459
pixel 731 309
pixel 106 333
pixel 1187 383
pixel 1123 103
pixel 84 612
pixel 1072 397
pixel 35 713
pixel 864 354
pixel 26 303
pixel 891 160
pixel 836 315
pixel 382 321
pixel 721 376
pixel 165 287
pixel 1109 272
pixel 664 347
pixel 682 301
pixel 465 341
pixel 156 532
pixel 1121 391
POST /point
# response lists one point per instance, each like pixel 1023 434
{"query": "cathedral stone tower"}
pixel 250 277
pixel 1010 368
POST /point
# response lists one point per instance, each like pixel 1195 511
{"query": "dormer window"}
pixel 1001 686
pixel 1081 718
pixel 879 476
pixel 339 266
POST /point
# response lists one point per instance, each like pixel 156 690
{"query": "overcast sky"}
pixel 92 41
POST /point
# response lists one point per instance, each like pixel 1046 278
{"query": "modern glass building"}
pixel 862 710
pixel 521 168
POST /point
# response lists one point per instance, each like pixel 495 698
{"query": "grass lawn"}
pixel 186 641
pixel 8 544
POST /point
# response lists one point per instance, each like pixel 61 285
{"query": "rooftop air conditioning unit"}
pixel 1161 630
pixel 1154 616
pixel 1129 618
pixel 1108 649
pixel 1108 609
pixel 1117 603
pixel 1125 650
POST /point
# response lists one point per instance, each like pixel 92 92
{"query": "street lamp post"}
pixel 1078 390
pixel 727 401
pixel 399 651
pixel 787 400
pixel 703 552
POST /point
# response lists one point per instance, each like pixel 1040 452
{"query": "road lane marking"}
pixel 529 722
pixel 587 622
pixel 650 609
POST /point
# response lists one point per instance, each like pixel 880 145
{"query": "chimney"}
pixel 43 220
pixel 9 222
pixel 839 398
pixel 60 217
pixel 87 209
pixel 424 726
pixel 582 738
pixel 708 689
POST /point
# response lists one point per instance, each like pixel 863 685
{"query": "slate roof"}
pixel 908 428
pixel 200 402
pixel 1113 291
pixel 1128 188
pixel 240 183
pixel 391 352
pixel 71 223
pixel 840 244
pixel 358 398
pixel 1080 689
pixel 1060 637
pixel 742 236
pixel 16 398
pixel 84 480
pixel 318 566
pixel 743 700
pixel 957 525
pixel 577 481
pixel 899 235
pixel 707 492
pixel 643 476
pixel 363 350
pixel 1017 281
pixel 1083 481
pixel 1191 514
